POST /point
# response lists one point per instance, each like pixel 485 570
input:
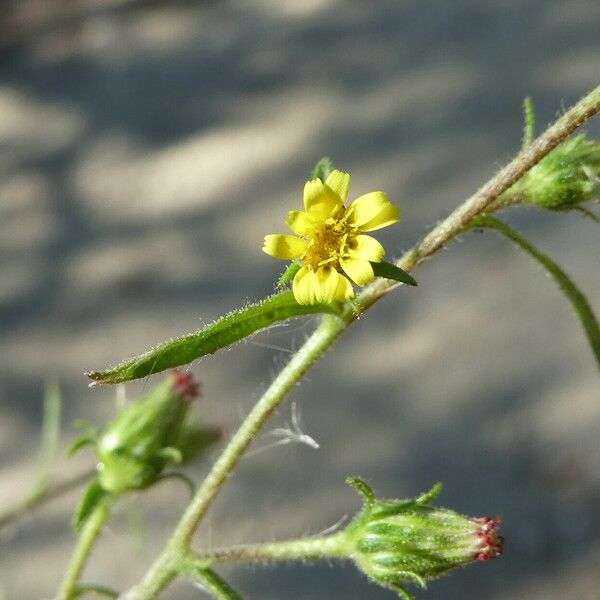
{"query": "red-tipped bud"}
pixel 492 544
pixel 409 541
pixel 184 384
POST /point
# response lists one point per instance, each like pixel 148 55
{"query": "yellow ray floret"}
pixel 330 239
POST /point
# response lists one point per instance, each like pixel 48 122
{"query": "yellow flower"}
pixel 332 246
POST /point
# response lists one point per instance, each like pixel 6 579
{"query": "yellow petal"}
pixel 339 182
pixel 303 286
pixel 389 215
pixel 326 284
pixel 284 246
pixel 320 201
pixel 300 222
pixel 365 247
pixel 344 290
pixel 360 271
pixel 373 211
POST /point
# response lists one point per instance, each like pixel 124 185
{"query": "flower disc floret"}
pixel 330 239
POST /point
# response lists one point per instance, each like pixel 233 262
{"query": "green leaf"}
pixel 401 591
pixel 92 497
pixel 430 496
pixel 288 274
pixel 80 443
pixel 576 298
pixel 529 129
pixel 390 271
pixel 363 488
pixel 322 169
pixel 222 333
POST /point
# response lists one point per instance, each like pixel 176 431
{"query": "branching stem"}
pixel 311 548
pixel 171 561
pixel 85 543
pixel 212 582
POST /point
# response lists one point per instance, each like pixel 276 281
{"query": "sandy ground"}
pixel 146 148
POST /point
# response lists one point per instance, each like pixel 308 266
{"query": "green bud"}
pixel 142 440
pixel 408 541
pixel 566 177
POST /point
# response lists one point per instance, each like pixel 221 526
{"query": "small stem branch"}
pixel 214 583
pixel 313 548
pixel 166 566
pixel 40 497
pixel 85 543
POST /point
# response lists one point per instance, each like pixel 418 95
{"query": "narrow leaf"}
pixel 92 497
pixel 430 496
pixel 80 443
pixel 222 333
pixel 390 271
pixel 363 488
pixel 578 300
pixel 529 128
pixel 401 591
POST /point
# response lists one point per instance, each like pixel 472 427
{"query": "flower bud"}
pixel 566 177
pixel 136 447
pixel 400 541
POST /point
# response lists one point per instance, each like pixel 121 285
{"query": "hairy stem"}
pixel 312 548
pixel 166 566
pixel 85 543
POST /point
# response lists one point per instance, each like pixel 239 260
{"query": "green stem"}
pixel 85 543
pixel 577 299
pixel 312 548
pixel 165 568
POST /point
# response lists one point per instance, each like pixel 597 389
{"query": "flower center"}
pixel 329 243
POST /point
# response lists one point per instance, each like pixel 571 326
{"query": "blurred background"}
pixel 145 149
